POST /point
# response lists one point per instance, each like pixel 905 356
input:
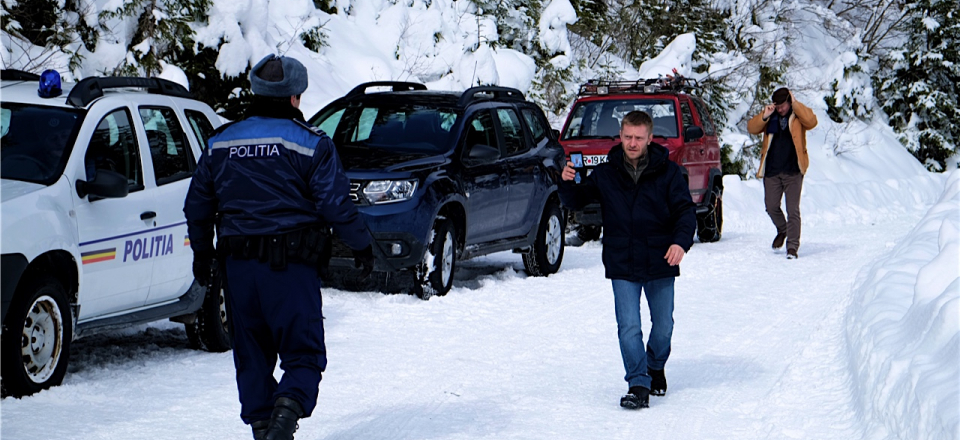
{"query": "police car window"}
pixel 537 128
pixel 37 141
pixel 201 126
pixel 708 127
pixel 171 154
pixel 114 147
pixel 512 132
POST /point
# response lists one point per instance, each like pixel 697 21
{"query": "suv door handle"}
pixel 148 215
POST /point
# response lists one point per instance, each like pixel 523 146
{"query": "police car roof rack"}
pixel 396 86
pixel 481 93
pixel 669 84
pixel 92 88
pixel 18 75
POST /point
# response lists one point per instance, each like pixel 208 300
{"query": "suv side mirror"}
pixel 106 184
pixel 692 133
pixel 481 153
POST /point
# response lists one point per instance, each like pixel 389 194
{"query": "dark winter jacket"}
pixel 268 175
pixel 640 220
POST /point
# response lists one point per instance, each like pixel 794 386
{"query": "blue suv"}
pixel 444 176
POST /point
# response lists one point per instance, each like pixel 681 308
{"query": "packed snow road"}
pixel 758 353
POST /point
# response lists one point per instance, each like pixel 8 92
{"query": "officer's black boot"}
pixel 283 422
pixel 259 429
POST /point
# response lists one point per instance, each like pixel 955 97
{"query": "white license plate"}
pixel 594 160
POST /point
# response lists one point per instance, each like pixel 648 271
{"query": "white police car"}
pixel 93 236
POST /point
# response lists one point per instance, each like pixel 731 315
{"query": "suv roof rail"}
pixel 489 92
pixel 397 86
pixel 18 75
pixel 92 88
pixel 669 84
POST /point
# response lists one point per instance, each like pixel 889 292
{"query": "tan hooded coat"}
pixel 801 120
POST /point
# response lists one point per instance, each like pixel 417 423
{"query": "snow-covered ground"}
pixel 856 339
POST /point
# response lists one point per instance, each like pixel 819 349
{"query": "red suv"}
pixel 681 123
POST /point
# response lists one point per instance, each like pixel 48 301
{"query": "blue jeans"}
pixel 636 360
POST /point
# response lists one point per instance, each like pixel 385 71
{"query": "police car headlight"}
pixel 389 191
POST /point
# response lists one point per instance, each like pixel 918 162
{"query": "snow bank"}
pixel 903 330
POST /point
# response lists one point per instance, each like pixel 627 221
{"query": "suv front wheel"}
pixel 435 272
pixel 36 338
pixel 710 223
pixel 545 255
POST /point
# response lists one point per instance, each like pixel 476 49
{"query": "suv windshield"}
pixel 403 128
pixel 36 141
pixel 601 118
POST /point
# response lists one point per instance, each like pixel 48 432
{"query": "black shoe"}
pixel 283 422
pixel 779 239
pixel 792 254
pixel 658 382
pixel 636 398
pixel 259 429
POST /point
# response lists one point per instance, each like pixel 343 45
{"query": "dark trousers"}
pixel 275 314
pixel 774 189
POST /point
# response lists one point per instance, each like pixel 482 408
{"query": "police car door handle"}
pixel 148 215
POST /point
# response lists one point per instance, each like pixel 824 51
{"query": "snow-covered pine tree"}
pixel 919 90
pixel 43 23
pixel 162 30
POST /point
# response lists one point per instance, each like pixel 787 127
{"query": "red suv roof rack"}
pixel 670 84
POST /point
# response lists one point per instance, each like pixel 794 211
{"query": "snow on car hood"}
pixel 11 189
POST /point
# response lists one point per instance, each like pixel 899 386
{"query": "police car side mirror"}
pixel 106 184
pixel 692 133
pixel 480 154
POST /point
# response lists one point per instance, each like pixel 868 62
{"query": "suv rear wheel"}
pixel 435 272
pixel 710 223
pixel 589 232
pixel 545 255
pixel 36 337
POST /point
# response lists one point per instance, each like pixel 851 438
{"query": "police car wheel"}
pixel 439 261
pixel 36 337
pixel 211 331
pixel 546 254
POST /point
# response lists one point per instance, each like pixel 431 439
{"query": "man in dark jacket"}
pixel 648 225
pixel 272 184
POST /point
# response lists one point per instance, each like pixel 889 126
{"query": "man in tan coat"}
pixel 783 162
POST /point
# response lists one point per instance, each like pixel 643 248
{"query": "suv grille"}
pixel 355 192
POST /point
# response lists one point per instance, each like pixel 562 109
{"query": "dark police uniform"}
pixel 270 179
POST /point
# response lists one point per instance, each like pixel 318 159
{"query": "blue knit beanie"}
pixel 278 77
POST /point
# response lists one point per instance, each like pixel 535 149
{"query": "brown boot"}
pixel 779 239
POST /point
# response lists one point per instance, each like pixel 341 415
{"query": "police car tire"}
pixel 546 254
pixel 39 315
pixel 210 331
pixel 438 269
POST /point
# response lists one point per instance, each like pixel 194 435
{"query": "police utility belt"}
pixel 308 246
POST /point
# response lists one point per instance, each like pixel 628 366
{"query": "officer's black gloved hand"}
pixel 202 267
pixel 364 258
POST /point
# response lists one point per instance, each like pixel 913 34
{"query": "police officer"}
pixel 273 185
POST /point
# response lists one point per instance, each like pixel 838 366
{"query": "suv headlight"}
pixel 389 191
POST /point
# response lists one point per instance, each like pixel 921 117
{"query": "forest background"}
pixel 898 63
